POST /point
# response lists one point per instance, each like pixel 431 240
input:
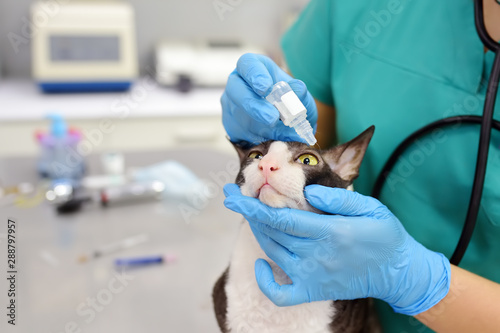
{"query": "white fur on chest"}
pixel 249 310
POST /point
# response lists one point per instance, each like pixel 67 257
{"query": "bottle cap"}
pixel 58 127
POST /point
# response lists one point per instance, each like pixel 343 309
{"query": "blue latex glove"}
pixel 246 115
pixel 362 252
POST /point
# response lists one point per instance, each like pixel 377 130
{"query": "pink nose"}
pixel 268 165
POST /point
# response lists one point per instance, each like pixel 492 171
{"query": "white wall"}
pixel 257 21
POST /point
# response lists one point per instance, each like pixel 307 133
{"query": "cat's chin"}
pixel 271 197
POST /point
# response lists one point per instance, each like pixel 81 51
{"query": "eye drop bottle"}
pixel 292 112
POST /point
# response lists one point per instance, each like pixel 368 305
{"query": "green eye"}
pixel 308 159
pixel 255 154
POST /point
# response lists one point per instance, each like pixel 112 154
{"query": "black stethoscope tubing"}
pixel 487 123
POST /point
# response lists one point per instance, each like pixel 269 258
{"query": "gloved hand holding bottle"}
pixel 246 115
pixel 362 251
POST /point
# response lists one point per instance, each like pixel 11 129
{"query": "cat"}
pixel 276 173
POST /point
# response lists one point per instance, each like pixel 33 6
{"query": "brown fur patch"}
pixel 219 298
pixel 356 316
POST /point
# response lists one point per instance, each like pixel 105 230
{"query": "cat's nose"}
pixel 268 165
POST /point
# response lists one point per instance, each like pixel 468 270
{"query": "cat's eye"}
pixel 255 154
pixel 308 159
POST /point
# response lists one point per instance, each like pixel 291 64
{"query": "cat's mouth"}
pixel 267 187
pixel 269 194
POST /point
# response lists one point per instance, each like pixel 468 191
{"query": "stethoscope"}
pixel 487 123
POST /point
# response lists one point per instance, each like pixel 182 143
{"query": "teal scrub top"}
pixel 400 65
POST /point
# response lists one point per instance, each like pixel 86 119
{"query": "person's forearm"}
pixel 326 132
pixel 471 305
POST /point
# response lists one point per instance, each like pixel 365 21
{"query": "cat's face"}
pixel 276 172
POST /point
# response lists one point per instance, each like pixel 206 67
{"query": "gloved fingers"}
pixel 281 295
pixel 260 72
pixel 249 207
pixel 247 115
pixel 291 221
pixel 300 89
pixel 344 202
pixel 255 73
pixel 276 72
pixel 291 243
pixel 245 101
pixel 231 189
pixel 239 131
pixel 256 133
pixel 279 254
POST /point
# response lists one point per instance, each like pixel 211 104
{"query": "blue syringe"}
pixel 143 261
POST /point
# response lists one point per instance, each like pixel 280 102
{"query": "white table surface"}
pixel 160 298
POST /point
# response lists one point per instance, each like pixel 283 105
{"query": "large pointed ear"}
pixel 345 159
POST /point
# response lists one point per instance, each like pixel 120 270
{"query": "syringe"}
pixel 292 112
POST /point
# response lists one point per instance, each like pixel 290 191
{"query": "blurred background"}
pixel 113 158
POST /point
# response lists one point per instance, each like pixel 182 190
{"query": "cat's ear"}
pixel 345 159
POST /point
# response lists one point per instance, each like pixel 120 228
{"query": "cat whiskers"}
pixel 300 201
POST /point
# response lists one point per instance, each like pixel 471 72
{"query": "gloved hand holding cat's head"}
pixel 357 249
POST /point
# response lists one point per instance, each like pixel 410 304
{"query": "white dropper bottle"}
pixel 292 112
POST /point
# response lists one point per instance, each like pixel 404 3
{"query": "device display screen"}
pixel 84 48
